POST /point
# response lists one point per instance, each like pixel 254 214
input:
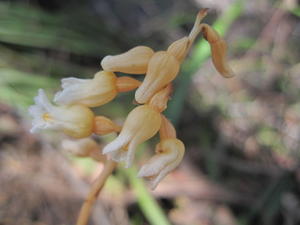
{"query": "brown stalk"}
pixel 85 210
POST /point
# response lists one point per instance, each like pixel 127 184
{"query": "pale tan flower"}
pixel 142 123
pixel 75 120
pixel 162 69
pixel 90 92
pixel 98 91
pixel 168 155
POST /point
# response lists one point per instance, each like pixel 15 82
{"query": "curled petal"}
pixel 142 123
pixel 134 61
pixel 169 153
pixel 163 68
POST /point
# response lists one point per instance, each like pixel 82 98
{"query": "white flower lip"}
pixel 42 106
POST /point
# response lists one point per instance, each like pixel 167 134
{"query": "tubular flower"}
pixel 218 49
pixel 142 123
pixel 162 69
pixel 90 92
pixel 74 120
pixel 134 61
pixel 168 155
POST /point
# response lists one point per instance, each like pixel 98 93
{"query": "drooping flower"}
pixel 134 61
pixel 74 120
pixel 142 123
pixel 168 155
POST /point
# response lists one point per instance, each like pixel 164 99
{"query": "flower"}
pixel 142 123
pixel 168 155
pixel 134 61
pixel 75 120
pixel 162 69
pixel 89 92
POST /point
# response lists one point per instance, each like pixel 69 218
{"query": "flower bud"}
pixel 103 125
pixel 125 84
pixel 168 155
pixel 74 120
pixel 162 69
pixel 218 49
pixel 89 92
pixel 160 99
pixel 134 61
pixel 142 123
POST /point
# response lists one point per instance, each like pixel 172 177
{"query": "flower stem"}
pixel 85 210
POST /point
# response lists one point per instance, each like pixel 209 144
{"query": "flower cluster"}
pixel 71 111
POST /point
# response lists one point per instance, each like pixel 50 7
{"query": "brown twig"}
pixel 85 210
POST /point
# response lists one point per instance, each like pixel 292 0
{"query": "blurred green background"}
pixel 242 135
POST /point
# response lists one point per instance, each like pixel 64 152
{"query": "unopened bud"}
pixel 134 61
pixel 103 125
pixel 125 84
